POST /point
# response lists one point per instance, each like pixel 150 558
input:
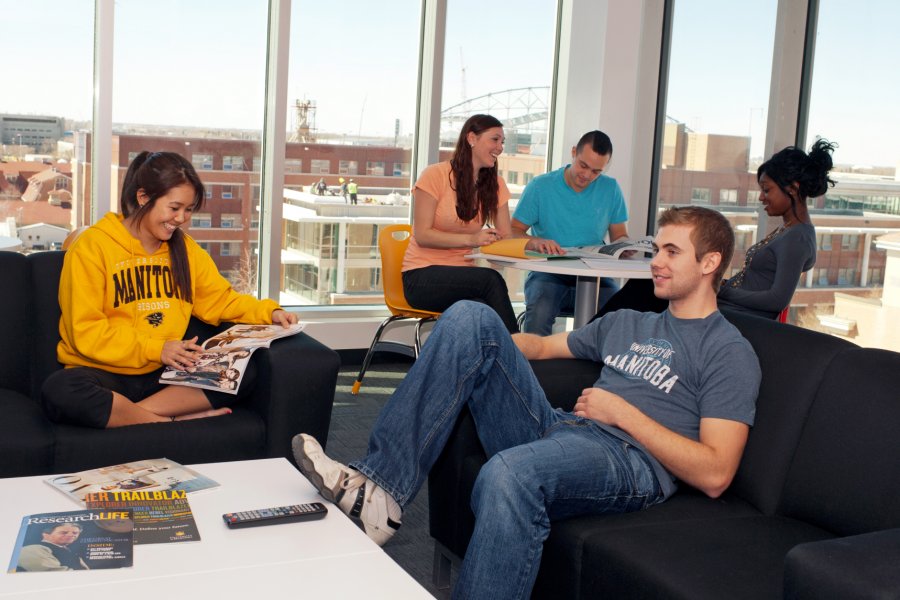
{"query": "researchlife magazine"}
pixel 78 540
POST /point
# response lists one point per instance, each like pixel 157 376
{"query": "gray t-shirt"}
pixel 675 371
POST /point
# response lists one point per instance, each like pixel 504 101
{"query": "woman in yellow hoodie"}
pixel 129 286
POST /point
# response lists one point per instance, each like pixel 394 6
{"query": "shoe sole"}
pixel 308 468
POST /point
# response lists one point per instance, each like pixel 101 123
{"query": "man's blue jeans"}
pixel 548 295
pixel 544 464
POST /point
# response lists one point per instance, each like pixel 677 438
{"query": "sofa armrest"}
pixel 296 378
pixel 859 566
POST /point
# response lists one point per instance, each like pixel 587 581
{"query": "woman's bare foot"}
pixel 213 412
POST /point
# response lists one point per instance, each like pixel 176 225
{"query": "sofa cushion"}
pixel 238 436
pixel 785 396
pixel 16 318
pixel 26 443
pixel 710 559
pixel 845 476
pixel 563 558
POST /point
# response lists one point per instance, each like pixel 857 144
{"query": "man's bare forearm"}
pixel 535 347
pixel 528 344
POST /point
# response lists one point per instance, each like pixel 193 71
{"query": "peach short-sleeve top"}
pixel 435 181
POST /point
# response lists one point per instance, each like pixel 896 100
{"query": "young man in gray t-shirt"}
pixel 675 401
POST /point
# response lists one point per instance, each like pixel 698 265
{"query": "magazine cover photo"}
pixel 74 541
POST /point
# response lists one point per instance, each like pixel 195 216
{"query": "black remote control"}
pixel 271 516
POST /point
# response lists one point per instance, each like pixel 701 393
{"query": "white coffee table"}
pixel 326 558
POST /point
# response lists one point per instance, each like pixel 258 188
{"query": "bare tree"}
pixel 245 282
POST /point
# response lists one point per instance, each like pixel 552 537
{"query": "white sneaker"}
pixel 365 502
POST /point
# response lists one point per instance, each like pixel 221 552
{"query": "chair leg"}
pixel 417 347
pixel 368 359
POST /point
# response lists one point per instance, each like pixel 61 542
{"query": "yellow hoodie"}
pixel 119 305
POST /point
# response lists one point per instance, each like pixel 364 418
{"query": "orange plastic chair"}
pixel 392 243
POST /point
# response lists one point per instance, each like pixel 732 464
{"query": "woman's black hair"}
pixel 156 173
pixel 474 197
pixel 809 171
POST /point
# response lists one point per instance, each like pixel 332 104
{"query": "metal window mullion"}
pixel 101 127
pixel 426 147
pixel 273 148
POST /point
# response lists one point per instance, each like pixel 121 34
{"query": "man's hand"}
pixel 708 464
pixel 544 245
pixel 601 406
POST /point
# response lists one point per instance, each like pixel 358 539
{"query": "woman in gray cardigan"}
pixel 772 267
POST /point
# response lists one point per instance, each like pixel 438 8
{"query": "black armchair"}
pixel 295 391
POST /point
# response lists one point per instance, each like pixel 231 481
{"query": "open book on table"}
pixel 640 246
pixel 513 249
pixel 221 365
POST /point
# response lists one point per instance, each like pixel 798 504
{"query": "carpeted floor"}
pixel 352 418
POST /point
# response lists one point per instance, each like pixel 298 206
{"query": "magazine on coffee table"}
pixel 160 516
pixel 221 365
pixel 76 540
pixel 147 475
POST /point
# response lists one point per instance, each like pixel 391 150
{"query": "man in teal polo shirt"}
pixel 576 205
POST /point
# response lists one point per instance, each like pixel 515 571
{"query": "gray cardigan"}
pixel 772 276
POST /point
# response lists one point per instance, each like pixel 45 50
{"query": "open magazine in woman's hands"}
pixel 220 367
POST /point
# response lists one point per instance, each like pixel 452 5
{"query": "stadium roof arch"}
pixel 523 111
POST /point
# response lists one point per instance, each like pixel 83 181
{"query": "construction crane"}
pixel 305 111
pixel 462 72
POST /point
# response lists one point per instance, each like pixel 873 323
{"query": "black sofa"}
pixel 295 391
pixel 813 512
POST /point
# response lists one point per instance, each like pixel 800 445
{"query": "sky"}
pixel 202 63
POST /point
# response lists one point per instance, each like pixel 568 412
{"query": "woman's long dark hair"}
pixel 809 171
pixel 156 173
pixel 474 197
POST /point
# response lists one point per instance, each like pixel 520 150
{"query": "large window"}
pixel 41 104
pixel 351 110
pixel 853 103
pixel 716 108
pixel 197 93
pixel 502 67
pixel 352 94
pixel 718 91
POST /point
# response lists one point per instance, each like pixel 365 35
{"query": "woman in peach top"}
pixel 454 201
